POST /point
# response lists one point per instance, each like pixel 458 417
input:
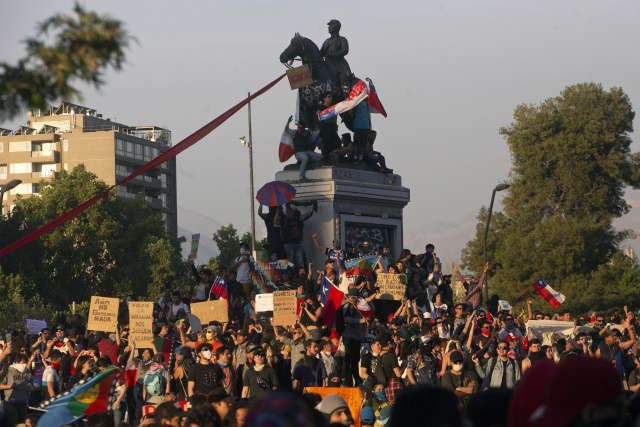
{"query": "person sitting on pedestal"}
pixel 346 148
pixel 374 158
pixel 301 137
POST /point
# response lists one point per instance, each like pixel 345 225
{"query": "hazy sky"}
pixel 449 74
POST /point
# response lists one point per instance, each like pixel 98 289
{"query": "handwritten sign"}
pixel 34 326
pixel 103 313
pixel 351 395
pixel 211 311
pixel 195 242
pixel 392 286
pixel 140 321
pixel 299 77
pixel 284 308
pixel 264 302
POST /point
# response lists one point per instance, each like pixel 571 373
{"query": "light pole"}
pixel 8 186
pixel 251 195
pixel 499 187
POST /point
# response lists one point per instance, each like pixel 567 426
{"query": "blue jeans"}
pixel 305 157
pixel 295 253
pixel 118 414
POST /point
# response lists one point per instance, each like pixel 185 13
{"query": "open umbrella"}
pixel 275 193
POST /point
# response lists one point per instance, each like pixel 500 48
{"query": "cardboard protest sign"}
pixel 103 314
pixel 351 395
pixel 504 305
pixel 140 321
pixel 392 286
pixel 210 311
pixel 195 242
pixel 284 308
pixel 264 302
pixel 34 326
pixel 299 77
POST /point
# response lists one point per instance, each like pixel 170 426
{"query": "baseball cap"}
pixel 385 414
pixel 510 337
pixel 608 333
pixel 367 415
pixel 251 348
pixel 570 390
pixel 241 332
pixel 329 261
pixel 167 410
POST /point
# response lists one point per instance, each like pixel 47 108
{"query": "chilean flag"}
pixel 548 294
pixel 364 308
pixel 330 301
pixel 358 94
pixel 285 151
pixel 220 288
pixel 375 106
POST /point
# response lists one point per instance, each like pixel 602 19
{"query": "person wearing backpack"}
pixel 500 371
pixel 388 371
pixel 352 337
pixel 156 381
pixel 310 370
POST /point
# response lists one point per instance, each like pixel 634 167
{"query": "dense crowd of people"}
pixel 424 360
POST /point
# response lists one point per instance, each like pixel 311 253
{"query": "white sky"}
pixel 448 73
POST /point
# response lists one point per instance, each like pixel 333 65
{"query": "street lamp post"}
pixel 499 187
pixel 8 186
pixel 253 213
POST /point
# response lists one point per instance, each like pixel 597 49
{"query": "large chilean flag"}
pixel 554 298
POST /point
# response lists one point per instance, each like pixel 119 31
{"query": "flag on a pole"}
pixel 364 308
pixel 547 293
pixel 330 301
pixel 375 106
pixel 220 288
pixel 92 395
pixel 358 94
pixel 361 266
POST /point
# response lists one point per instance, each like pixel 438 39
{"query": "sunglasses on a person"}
pixel 502 347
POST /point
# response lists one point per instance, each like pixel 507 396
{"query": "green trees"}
pixel 115 248
pixel 228 242
pixel 83 47
pixel 571 162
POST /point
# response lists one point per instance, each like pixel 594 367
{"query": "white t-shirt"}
pixel 175 308
pixel 244 273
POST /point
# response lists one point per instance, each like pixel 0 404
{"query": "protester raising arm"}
pixel 529 301
pixel 632 336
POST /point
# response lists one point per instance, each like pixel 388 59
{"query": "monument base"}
pixel 354 205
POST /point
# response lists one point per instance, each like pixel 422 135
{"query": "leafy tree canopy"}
pixel 228 242
pixel 571 162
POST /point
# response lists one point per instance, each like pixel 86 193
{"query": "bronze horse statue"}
pixel 311 96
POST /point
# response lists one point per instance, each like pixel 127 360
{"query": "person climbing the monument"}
pixel 329 132
pixel 303 154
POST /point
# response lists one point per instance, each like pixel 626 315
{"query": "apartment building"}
pixel 70 134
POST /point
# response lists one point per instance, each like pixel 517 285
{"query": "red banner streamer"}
pixel 169 154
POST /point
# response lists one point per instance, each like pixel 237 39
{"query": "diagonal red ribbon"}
pixel 169 154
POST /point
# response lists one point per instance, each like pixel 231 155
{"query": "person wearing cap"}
pixel 184 363
pixel 509 328
pixel 422 366
pixel 367 416
pixel 296 343
pixel 335 253
pixel 500 371
pixel 260 379
pixel 335 410
pixel 205 375
pixel 212 335
pixel 168 414
pixel 610 344
pixel 460 381
pixel 330 273
pixel 301 138
pixel 221 401
pixel 309 371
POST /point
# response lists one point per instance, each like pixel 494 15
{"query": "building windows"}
pixel 22 189
pixel 65 145
pixel 20 146
pixel 1 147
pixel 19 168
pixel 3 171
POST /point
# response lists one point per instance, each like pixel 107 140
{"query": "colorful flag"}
pixel 166 347
pixel 220 288
pixel 260 280
pixel 358 94
pixel 548 294
pixel 87 397
pixel 361 266
pixel 375 106
pixel 330 301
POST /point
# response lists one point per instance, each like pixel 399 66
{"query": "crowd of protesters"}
pixel 425 360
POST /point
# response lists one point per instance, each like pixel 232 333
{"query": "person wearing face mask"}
pixel 142 366
pixel 16 385
pixel 211 335
pixel 535 354
pixel 205 375
pixel 460 381
pixel 242 265
pixel 156 381
pixel 223 355
pixel 330 365
pixel 258 381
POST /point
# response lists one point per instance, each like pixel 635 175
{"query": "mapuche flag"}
pixel 547 293
pixel 92 395
pixel 361 266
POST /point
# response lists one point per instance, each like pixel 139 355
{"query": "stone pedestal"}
pixel 354 205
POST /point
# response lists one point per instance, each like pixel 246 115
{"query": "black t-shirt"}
pixel 292 229
pixel 370 363
pixel 206 377
pixel 273 230
pixel 260 382
pixel 388 362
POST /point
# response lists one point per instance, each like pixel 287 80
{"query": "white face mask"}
pixel 243 251
pixel 457 368
pixel 206 354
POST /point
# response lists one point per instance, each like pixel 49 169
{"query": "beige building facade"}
pixel 69 135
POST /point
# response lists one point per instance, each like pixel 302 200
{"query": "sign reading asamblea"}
pixel 140 321
pixel 285 305
pixel 392 286
pixel 103 314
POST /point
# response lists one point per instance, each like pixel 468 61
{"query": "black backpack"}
pixel 339 321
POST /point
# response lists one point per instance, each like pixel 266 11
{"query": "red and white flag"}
pixel 358 94
pixel 375 106
pixel 364 308
pixel 547 293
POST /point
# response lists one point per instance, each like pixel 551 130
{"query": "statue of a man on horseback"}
pixel 333 50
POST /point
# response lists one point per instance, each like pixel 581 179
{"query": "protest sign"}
pixel 284 308
pixel 547 330
pixel 34 326
pixel 150 409
pixel 299 77
pixel 140 321
pixel 504 305
pixel 392 286
pixel 351 395
pixel 210 311
pixel 195 242
pixel 264 302
pixel 103 314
